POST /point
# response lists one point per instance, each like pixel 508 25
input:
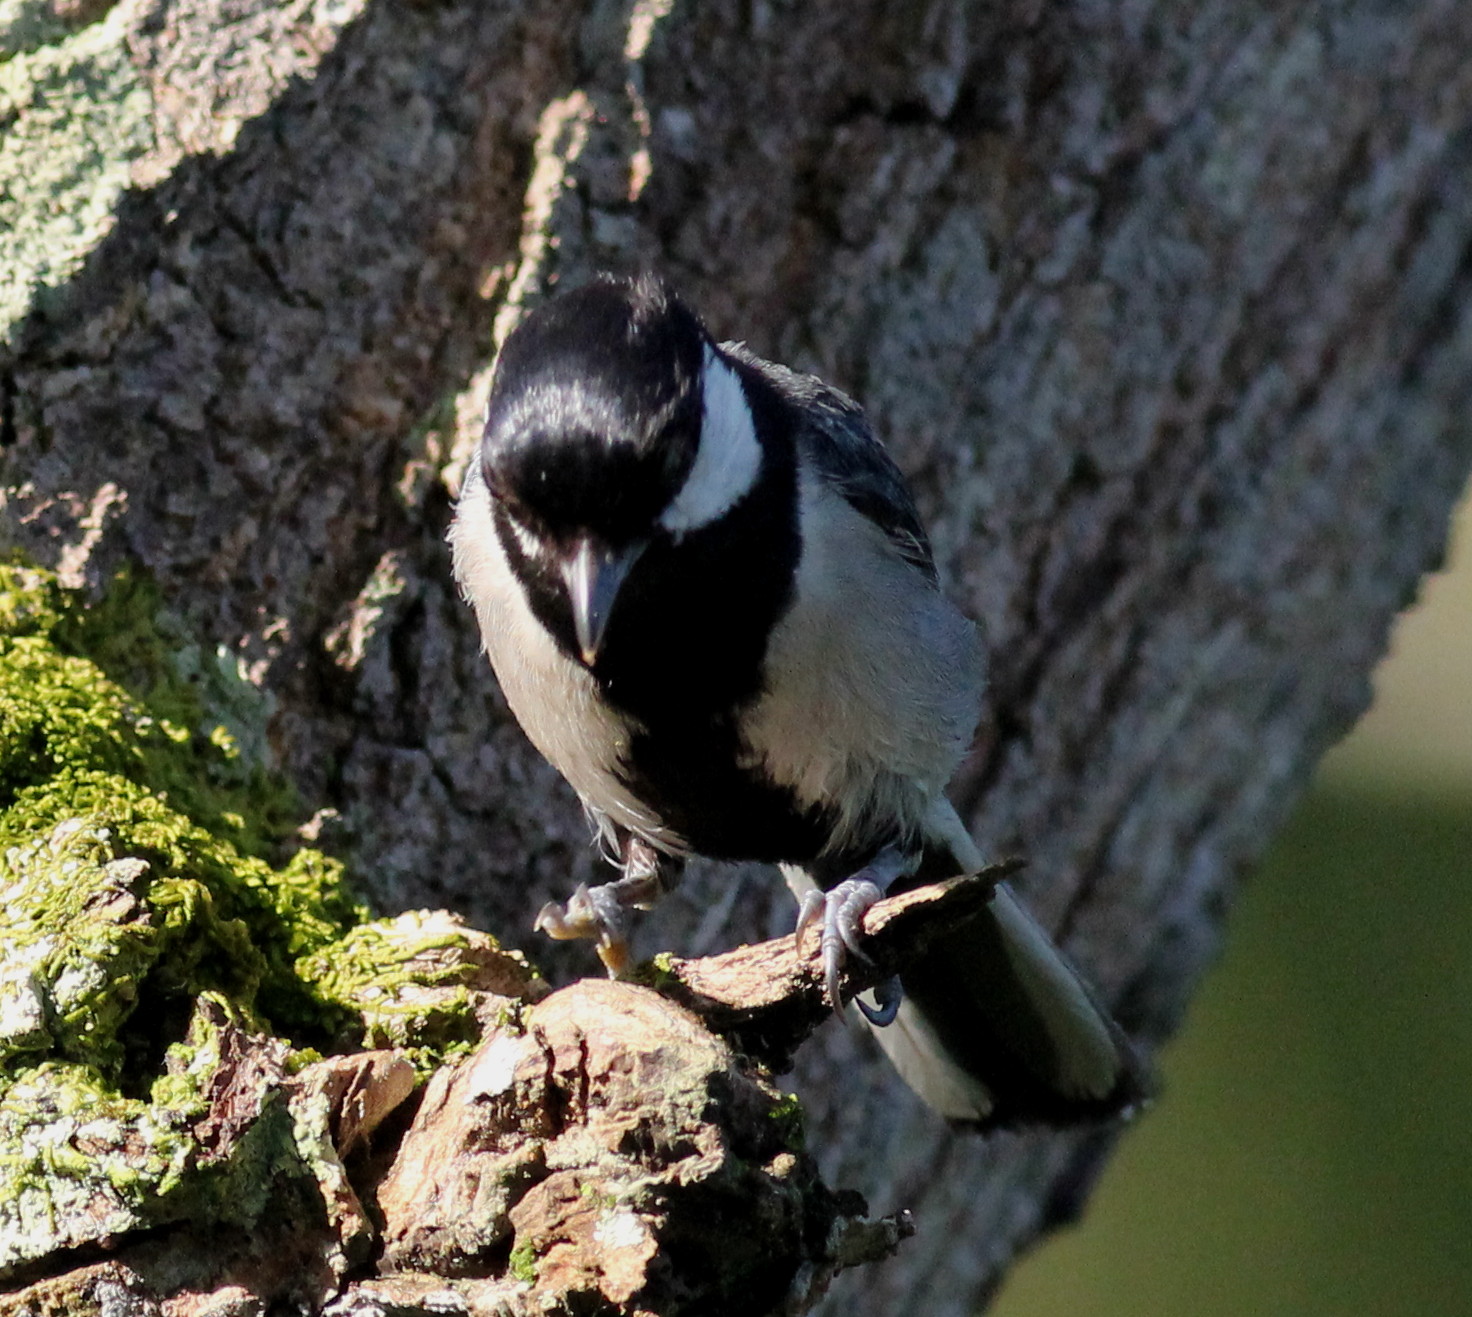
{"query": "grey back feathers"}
pixel 873 683
pixel 841 445
pixel 874 677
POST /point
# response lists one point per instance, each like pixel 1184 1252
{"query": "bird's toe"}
pixel 594 913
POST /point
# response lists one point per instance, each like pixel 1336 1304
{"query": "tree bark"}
pixel 1163 309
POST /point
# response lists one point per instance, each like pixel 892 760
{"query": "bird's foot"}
pixel 601 914
pixel 841 910
pixel 596 913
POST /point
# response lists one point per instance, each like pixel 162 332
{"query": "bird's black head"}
pixel 616 432
pixel 595 411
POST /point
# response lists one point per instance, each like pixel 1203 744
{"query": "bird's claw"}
pixel 887 998
pixel 595 913
pixel 601 914
pixel 841 911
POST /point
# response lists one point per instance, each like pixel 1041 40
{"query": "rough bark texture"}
pixel 1163 307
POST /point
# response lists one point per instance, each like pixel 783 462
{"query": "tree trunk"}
pixel 1164 310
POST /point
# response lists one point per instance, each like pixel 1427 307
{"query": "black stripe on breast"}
pixel 683 657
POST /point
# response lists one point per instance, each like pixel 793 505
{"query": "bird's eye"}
pixel 512 504
pixel 496 482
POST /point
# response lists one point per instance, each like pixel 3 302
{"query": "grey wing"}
pixel 850 457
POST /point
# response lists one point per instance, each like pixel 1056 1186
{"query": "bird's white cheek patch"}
pixel 729 457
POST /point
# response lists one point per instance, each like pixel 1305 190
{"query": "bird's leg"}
pixel 602 913
pixel 841 910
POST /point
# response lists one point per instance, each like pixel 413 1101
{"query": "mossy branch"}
pixel 166 996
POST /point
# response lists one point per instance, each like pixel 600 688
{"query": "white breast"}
pixel 873 679
pixel 552 696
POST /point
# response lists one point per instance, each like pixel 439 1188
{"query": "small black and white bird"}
pixel 709 600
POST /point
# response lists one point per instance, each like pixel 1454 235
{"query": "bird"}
pixel 708 598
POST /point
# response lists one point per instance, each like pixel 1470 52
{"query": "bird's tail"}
pixel 997 1028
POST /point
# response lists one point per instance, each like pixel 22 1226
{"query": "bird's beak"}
pixel 594 574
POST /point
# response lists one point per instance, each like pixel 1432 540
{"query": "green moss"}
pixel 657 972
pixel 80 1161
pixel 423 982
pixel 73 1145
pixel 523 1263
pixel 404 980
pixel 96 935
pixel 136 836
pixel 92 774
pixel 148 900
pixel 787 1115
pixel 225 786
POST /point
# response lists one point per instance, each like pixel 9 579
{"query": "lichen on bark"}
pixel 149 931
pixel 77 115
pixel 175 966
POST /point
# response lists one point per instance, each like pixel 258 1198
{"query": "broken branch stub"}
pixel 609 1146
pixel 608 1149
pixel 768 997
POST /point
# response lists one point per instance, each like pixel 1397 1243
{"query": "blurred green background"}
pixel 1312 1152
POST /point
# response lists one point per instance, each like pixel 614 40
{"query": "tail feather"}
pixel 999 1029
pixel 920 1059
pixel 996 1028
